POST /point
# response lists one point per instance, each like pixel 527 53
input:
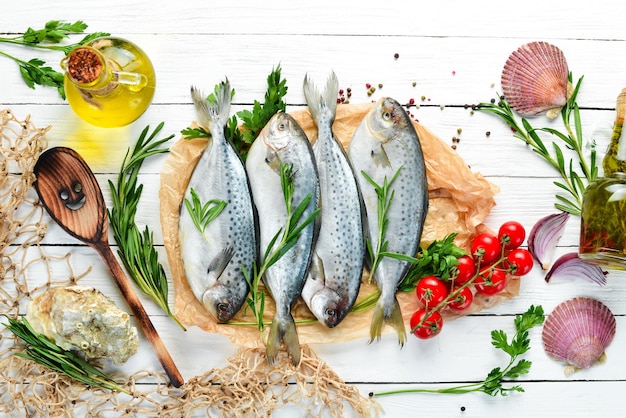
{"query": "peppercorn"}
pixel 488 133
pixel 396 55
pixel 411 101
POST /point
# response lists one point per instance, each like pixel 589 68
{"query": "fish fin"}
pixel 213 112
pixel 219 263
pixel 325 102
pixel 394 319
pixel 273 161
pixel 316 271
pixel 279 332
pixel 379 156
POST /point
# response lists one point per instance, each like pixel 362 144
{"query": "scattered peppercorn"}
pixel 380 85
pixel 368 85
pixel 493 101
pixel 462 409
pixel 454 147
pixel 423 98
pixel 488 133
pixel 414 83
pixel 459 130
pixel 396 55
pixel 411 101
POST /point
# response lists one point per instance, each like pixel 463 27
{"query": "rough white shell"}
pixel 535 79
pixel 578 331
pixel 82 319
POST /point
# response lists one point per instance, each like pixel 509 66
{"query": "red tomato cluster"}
pixel 485 270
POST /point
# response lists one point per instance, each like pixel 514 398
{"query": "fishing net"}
pixel 247 386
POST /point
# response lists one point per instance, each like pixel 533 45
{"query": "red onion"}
pixel 544 236
pixel 570 267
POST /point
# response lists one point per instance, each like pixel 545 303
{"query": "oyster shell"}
pixel 82 319
pixel 535 79
pixel 578 331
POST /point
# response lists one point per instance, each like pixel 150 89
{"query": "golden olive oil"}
pixel 109 82
pixel 603 217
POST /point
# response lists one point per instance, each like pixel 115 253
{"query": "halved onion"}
pixel 570 267
pixel 544 236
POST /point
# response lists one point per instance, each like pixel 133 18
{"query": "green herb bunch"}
pixel 575 175
pixel 136 248
pixel 252 122
pixel 35 71
pixel 43 351
pixel 494 383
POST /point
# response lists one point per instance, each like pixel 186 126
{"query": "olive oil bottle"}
pixel 109 81
pixel 603 218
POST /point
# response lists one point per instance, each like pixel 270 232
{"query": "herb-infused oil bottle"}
pixel 603 218
pixel 109 81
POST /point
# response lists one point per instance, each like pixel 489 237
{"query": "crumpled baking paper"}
pixel 459 201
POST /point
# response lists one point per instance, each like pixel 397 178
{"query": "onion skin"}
pixel 545 235
pixel 570 267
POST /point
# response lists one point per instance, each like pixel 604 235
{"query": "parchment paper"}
pixel 459 200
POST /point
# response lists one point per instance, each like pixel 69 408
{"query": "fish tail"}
pixel 394 318
pixel 283 331
pixel 215 111
pixel 322 103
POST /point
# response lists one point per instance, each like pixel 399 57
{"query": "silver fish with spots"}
pixel 283 143
pixel 334 278
pixel 213 258
pixel 383 145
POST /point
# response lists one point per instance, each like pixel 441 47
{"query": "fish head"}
pixel 328 307
pixel 280 129
pixel 386 119
pixel 221 302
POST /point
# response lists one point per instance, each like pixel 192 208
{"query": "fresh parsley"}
pixel 35 71
pixel 252 122
pixel 495 382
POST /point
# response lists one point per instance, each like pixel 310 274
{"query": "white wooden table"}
pixel 454 51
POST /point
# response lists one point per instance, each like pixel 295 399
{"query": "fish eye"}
pixel 281 126
pixel 222 307
pixel 386 115
pixel 330 312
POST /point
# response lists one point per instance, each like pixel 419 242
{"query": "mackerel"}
pixel 214 258
pixel 334 278
pixel 385 144
pixel 283 143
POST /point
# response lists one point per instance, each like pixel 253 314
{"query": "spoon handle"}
pixel 142 317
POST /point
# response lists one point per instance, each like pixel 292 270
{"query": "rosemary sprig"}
pixel 136 248
pixel 35 71
pixel 202 214
pixel 43 351
pixel 493 384
pixel 284 239
pixel 385 196
pixel 573 181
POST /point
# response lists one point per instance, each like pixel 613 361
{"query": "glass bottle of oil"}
pixel 603 218
pixel 109 81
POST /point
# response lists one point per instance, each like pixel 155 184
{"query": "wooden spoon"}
pixel 70 193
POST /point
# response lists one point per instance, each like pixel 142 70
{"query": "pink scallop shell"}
pixel 578 331
pixel 535 79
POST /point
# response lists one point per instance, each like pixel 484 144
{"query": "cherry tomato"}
pixel 511 234
pixel 431 325
pixel 461 299
pixel 431 291
pixel 520 261
pixel 465 270
pixel 486 247
pixel 491 283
